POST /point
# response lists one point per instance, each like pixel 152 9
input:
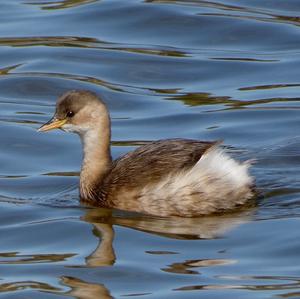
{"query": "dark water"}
pixel 196 69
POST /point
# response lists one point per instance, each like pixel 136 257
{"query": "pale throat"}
pixel 96 161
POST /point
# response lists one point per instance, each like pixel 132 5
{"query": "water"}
pixel 195 69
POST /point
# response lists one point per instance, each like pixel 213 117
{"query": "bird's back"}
pixel 152 162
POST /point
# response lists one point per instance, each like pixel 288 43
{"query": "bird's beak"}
pixel 52 124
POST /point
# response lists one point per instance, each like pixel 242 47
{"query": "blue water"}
pixel 195 69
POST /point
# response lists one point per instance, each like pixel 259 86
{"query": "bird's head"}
pixel 77 111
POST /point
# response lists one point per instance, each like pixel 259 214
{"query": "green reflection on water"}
pixel 90 43
pixel 16 258
pixel 22 285
pixel 47 5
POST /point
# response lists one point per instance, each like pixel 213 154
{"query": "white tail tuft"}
pixel 216 183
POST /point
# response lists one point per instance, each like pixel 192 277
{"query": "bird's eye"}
pixel 70 114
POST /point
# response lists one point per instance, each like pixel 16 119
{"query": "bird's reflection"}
pixel 209 227
pixel 85 290
pixel 179 228
pixel 104 254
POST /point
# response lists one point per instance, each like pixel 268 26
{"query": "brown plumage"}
pixel 174 177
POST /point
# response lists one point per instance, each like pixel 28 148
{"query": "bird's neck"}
pixel 96 162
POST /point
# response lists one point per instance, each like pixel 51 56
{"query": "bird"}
pixel 169 177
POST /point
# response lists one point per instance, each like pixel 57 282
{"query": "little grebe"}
pixel 173 177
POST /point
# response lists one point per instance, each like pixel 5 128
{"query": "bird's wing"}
pixel 152 162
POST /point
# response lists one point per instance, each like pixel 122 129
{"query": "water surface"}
pixel 195 69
